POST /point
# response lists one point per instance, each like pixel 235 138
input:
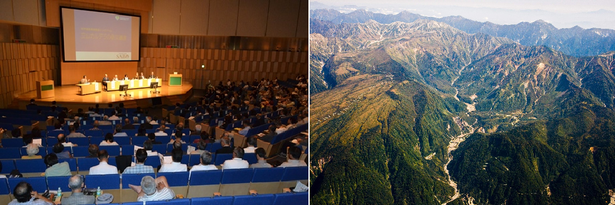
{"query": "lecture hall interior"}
pixel 208 91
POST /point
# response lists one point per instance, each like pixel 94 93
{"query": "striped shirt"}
pixel 159 195
pixel 138 169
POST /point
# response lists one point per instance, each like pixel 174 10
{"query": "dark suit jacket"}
pixel 224 150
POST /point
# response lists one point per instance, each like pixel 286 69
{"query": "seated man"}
pixel 149 146
pixel 84 80
pixel 58 149
pixel 119 132
pixel 205 163
pixel 54 168
pixel 128 125
pixel 32 151
pixel 140 167
pixel 260 155
pixel 176 165
pixel 152 137
pixel 93 151
pixel 178 138
pixel 226 146
pixel 104 167
pixel 294 153
pixel 24 194
pixel 251 145
pixel 237 162
pixel 76 184
pixel 73 132
pixel 153 189
pixel 62 139
pixel 104 81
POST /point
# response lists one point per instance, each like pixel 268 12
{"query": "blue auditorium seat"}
pixel 10 153
pixel 291 198
pixel 96 140
pixel 236 181
pixel 7 165
pixel 220 158
pixel 172 201
pixel 219 200
pixel 52 141
pixel 80 141
pixel 160 148
pixel 12 142
pixel 122 140
pixel 250 157
pixel 260 199
pixel 213 147
pixel 204 183
pixel 60 181
pixel 39 184
pixel 267 180
pixel 112 150
pixel 30 165
pixel 85 164
pixel 81 151
pixel 194 159
pixel 138 140
pixel 134 179
pixel 109 181
pixel 72 163
pixel 93 133
pixel 153 161
pixel 178 181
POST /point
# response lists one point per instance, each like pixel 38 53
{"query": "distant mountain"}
pixel 572 41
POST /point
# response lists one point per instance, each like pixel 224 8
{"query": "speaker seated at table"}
pixel 155 86
pixel 125 89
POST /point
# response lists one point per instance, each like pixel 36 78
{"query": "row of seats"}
pixel 232 182
pixel 81 164
pixel 129 140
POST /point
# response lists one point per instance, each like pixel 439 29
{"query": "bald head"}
pixel 22 192
pixel 75 183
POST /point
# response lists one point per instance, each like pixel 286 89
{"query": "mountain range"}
pixel 393 101
pixel 573 41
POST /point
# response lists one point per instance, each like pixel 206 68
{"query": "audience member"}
pixel 139 167
pixel 176 165
pixel 251 145
pixel 205 163
pixel 104 167
pixel 226 146
pixel 152 137
pixel 62 139
pixel 93 151
pixel 128 125
pixel 260 155
pixel 118 131
pixel 54 168
pixel 294 153
pixel 58 149
pixel 32 151
pixel 200 147
pixel 108 140
pixel 95 125
pixel 148 146
pixel 76 183
pixel 73 132
pixel 153 189
pixel 237 162
pixel 24 194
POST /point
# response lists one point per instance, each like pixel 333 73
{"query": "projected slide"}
pixel 99 36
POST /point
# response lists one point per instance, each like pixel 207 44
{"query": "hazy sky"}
pixel 561 13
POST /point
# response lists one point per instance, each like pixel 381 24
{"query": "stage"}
pixel 68 96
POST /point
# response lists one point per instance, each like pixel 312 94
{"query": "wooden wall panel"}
pixel 223 14
pixel 167 14
pixel 194 17
pixel 252 19
pixel 282 19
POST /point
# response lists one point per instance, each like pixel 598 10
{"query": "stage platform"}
pixel 68 96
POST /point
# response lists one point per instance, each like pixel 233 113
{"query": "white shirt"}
pixel 200 167
pixel 261 164
pixel 103 168
pixel 235 163
pixel 152 153
pixel 249 149
pixel 120 134
pixel 105 143
pixel 161 134
pixel 67 144
pixel 173 167
pixel 293 163
pixel 114 118
pixel 159 195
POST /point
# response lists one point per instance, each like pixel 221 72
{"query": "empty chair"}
pixel 267 180
pixel 128 149
pixel 194 159
pixel 260 199
pixel 236 182
pixel 130 132
pixel 219 200
pixel 250 157
pixel 153 161
pixel 109 183
pixel 220 158
pixel 163 139
pixel 7 165
pixel 213 147
pixel 80 141
pixel 30 165
pixel 178 181
pixel 93 133
pixel 160 148
pixel 291 198
pixel 96 140
pixel 292 175
pixel 81 151
pixel 59 181
pixel 5 193
pixel 39 184
pixel 204 183
pixel 138 140
pixel 112 150
pixel 51 141
pixel 122 140
pixel 128 194
pixel 10 153
pixel 55 133
pixel 12 142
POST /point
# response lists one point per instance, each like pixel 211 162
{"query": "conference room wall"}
pixel 21 65
pixel 221 65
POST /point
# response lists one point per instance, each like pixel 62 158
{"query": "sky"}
pixel 560 13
